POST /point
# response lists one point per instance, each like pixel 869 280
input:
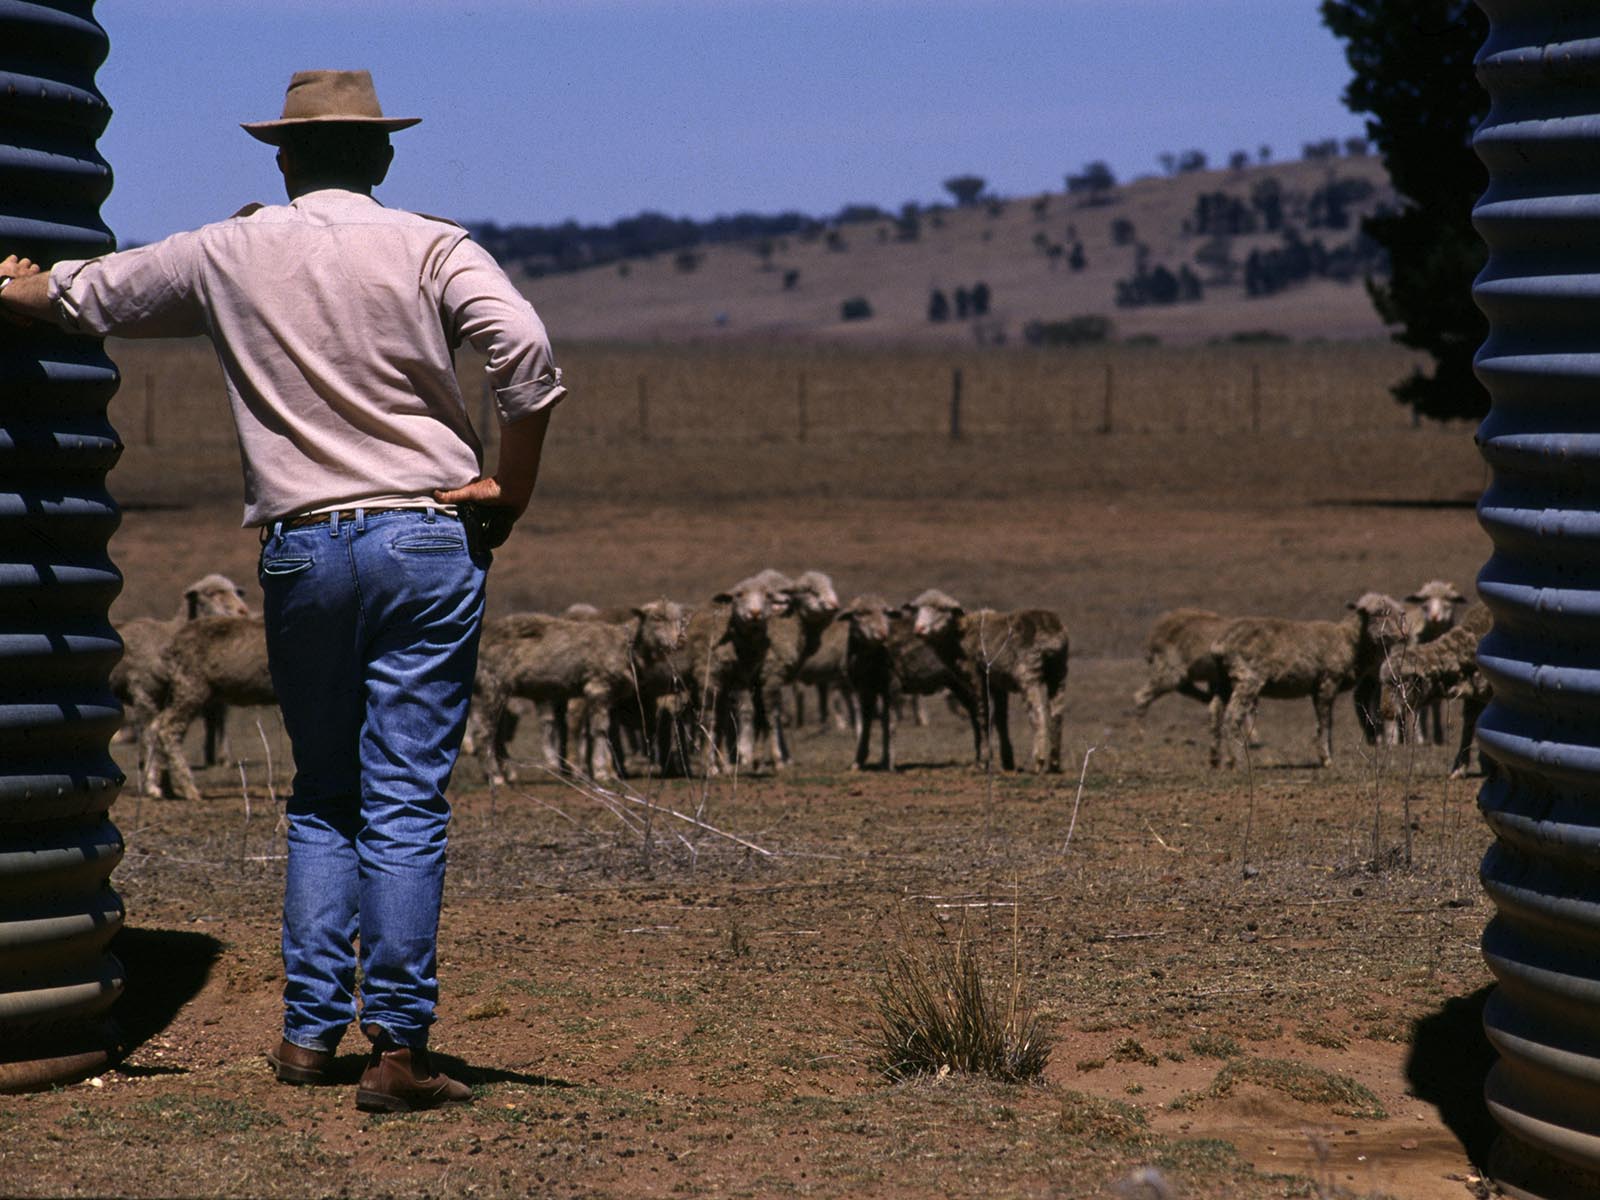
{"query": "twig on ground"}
pixel 1077 800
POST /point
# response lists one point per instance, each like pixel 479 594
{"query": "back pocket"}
pixel 429 543
pixel 277 568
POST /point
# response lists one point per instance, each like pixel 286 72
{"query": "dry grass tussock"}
pixel 938 1015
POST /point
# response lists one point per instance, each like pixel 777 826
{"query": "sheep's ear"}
pixel 908 609
pixel 844 614
pixel 782 603
pixel 1457 598
pixel 640 613
pixel 894 614
pixel 1353 606
pixel 1414 598
pixel 722 598
pixel 192 599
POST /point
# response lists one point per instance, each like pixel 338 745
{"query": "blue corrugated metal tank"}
pixel 57 647
pixel 1541 292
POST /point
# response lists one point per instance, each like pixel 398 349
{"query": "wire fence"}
pixel 172 395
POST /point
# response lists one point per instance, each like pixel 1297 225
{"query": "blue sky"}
pixel 596 109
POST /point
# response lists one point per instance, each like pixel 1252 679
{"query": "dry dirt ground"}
pixel 1261 983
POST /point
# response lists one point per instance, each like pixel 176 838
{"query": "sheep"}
pixel 869 666
pixel 809 605
pixel 1178 656
pixel 1430 673
pixel 139 679
pixel 999 652
pixel 918 671
pixel 1430 611
pixel 1283 659
pixel 823 669
pixel 553 661
pixel 719 669
pixel 209 660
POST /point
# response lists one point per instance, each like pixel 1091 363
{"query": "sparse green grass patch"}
pixel 1337 1093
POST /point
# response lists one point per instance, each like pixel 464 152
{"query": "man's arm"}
pixel 511 485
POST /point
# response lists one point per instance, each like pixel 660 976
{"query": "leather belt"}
pixel 349 514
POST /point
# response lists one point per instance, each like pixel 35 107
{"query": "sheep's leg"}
pixel 1322 700
pixel 1163 679
pixel 999 723
pixel 1241 707
pixel 771 701
pixel 799 706
pixel 1037 697
pixel 557 737
pixel 1055 720
pixel 867 705
pixel 215 716
pixel 600 761
pixel 745 730
pixel 488 711
pixel 1471 709
pixel 886 718
pixel 712 722
pixel 170 726
pixel 967 698
pixel 1368 701
pixel 1215 711
pixel 1435 710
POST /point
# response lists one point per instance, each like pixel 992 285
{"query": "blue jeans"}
pixel 372 637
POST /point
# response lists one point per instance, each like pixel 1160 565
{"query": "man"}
pixel 335 319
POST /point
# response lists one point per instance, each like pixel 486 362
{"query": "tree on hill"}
pixel 967 189
pixel 1094 183
pixel 1413 74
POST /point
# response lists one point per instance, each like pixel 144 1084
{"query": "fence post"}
pixel 149 409
pixel 644 409
pixel 955 404
pixel 800 408
pixel 1105 415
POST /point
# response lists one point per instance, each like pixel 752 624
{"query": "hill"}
pixel 793 287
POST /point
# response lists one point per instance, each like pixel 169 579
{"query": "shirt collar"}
pixel 323 197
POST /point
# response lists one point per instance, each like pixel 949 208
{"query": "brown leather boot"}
pixel 297 1064
pixel 401 1078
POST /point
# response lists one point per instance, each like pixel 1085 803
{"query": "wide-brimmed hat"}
pixel 325 98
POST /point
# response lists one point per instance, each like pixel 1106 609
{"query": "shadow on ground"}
pixel 1450 1055
pixel 166 968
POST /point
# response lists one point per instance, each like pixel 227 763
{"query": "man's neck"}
pixel 321 185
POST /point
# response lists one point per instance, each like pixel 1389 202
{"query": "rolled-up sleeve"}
pixel 147 292
pixel 482 307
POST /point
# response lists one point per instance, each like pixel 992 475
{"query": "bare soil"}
pixel 649 1007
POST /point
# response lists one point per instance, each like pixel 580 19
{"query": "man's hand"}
pixel 27 299
pixel 18 267
pixel 511 486
pixel 480 491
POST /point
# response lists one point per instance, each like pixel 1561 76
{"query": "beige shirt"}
pixel 335 320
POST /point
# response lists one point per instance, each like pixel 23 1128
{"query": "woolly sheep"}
pixel 999 652
pixel 139 679
pixel 1285 659
pixel 211 660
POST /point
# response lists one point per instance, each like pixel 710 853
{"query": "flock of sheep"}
pixel 1403 661
pixel 697 690
pixel 689 690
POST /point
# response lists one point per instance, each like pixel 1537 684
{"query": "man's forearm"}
pixel 521 447
pixel 28 297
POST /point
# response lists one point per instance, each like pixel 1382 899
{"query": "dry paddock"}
pixel 1262 983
